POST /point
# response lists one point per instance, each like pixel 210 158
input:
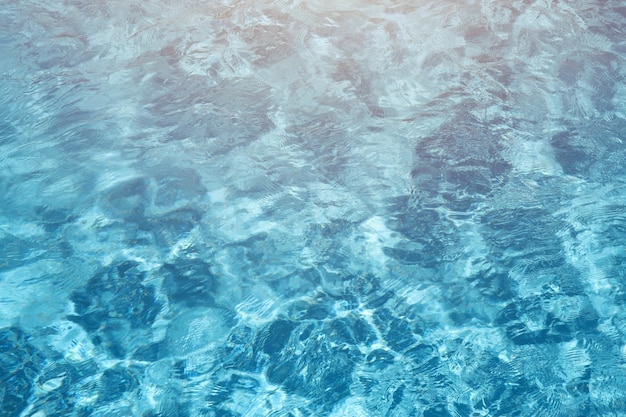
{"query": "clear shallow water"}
pixel 298 208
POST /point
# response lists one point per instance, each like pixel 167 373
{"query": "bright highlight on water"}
pixel 312 208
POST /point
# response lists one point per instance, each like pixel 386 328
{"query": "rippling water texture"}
pixel 312 208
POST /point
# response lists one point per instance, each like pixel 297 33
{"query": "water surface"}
pixel 312 208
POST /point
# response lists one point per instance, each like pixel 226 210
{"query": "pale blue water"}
pixel 312 208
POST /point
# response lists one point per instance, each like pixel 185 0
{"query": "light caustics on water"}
pixel 312 208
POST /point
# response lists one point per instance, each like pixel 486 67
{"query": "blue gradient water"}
pixel 312 208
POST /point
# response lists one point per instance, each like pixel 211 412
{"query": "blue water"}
pixel 312 208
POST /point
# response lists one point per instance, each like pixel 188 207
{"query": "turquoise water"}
pixel 312 208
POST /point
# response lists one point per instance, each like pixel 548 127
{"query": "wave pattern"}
pixel 301 208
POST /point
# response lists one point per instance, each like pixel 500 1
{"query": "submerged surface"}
pixel 297 208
